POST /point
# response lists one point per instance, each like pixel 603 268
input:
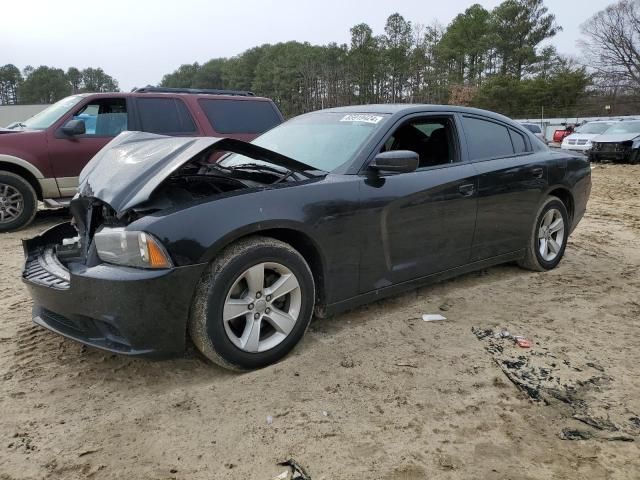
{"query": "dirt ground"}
pixel 372 394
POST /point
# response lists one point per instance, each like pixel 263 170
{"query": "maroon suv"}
pixel 41 158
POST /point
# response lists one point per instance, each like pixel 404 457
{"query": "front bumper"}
pixel 119 309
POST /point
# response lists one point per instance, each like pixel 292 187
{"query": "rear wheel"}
pixel 252 304
pixel 18 202
pixel 548 238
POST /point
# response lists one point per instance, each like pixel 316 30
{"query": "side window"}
pixel 433 139
pixel 165 115
pixel 240 116
pixel 104 117
pixel 519 143
pixel 486 139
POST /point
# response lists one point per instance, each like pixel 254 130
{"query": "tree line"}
pixel 497 59
pixel 48 84
pixel 490 59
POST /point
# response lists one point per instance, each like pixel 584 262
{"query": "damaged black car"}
pixel 236 245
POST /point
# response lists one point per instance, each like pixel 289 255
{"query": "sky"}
pixel 138 41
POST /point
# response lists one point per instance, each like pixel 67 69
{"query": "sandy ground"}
pixel 373 394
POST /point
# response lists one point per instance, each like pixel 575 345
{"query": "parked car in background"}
pixel 560 134
pixel 327 211
pixel 620 142
pixel 536 130
pixel 41 158
pixel 580 139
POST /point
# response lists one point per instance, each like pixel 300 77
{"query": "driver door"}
pixel 104 118
pixel 419 223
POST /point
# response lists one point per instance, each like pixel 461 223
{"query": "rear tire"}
pixel 240 318
pixel 18 202
pixel 548 237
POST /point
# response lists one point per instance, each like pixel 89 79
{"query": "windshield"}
pixel 323 140
pixel 594 127
pixel 624 127
pixel 49 115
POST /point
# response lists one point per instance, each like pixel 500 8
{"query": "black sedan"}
pixel 238 244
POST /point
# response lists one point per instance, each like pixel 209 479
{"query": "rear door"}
pixel 511 179
pixel 104 118
pixel 422 222
pixel 164 115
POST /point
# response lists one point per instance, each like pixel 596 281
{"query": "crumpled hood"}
pixel 616 137
pixel 130 167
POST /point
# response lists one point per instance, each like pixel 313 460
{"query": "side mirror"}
pixel 74 127
pixel 397 161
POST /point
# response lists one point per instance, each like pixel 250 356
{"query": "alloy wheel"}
pixel 262 307
pixel 11 203
pixel 551 235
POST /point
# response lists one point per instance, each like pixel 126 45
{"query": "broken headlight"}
pixel 132 249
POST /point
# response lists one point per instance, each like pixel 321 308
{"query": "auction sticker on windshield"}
pixel 362 118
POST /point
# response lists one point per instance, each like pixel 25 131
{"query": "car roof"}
pixel 402 109
pixel 172 94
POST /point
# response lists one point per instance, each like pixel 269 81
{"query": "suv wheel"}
pixel 18 202
pixel 549 236
pixel 252 304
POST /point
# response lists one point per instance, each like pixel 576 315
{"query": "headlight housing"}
pixel 131 248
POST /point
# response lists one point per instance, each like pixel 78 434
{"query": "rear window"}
pixel 240 116
pixel 486 139
pixel 165 115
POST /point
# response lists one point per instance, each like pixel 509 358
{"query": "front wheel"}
pixel 252 304
pixel 18 202
pixel 548 237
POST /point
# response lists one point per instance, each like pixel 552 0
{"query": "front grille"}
pixel 571 141
pixel 582 142
pixel 44 270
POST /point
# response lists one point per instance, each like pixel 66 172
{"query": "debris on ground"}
pixel 433 317
pixel 572 434
pixel 269 419
pixel 298 473
pixel 548 379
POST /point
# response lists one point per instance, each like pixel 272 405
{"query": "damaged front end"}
pixel 100 281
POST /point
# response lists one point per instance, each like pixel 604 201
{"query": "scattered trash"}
pixel 433 317
pixel 445 306
pixel 523 342
pixel 598 423
pixel 409 365
pixel 347 363
pixel 283 476
pixel 573 434
pixel 269 419
pixel 325 413
pixel 88 452
pixel 298 472
pixel 549 378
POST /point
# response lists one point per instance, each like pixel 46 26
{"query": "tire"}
pixel 534 258
pixel 225 285
pixel 18 202
pixel 634 157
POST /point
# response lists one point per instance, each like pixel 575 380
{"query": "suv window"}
pixel 431 138
pixel 165 115
pixel 533 128
pixel 240 116
pixel 104 117
pixel 486 139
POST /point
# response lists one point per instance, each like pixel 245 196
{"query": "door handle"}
pixel 467 189
pixel 537 172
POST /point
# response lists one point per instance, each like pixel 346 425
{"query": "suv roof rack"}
pixel 207 91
